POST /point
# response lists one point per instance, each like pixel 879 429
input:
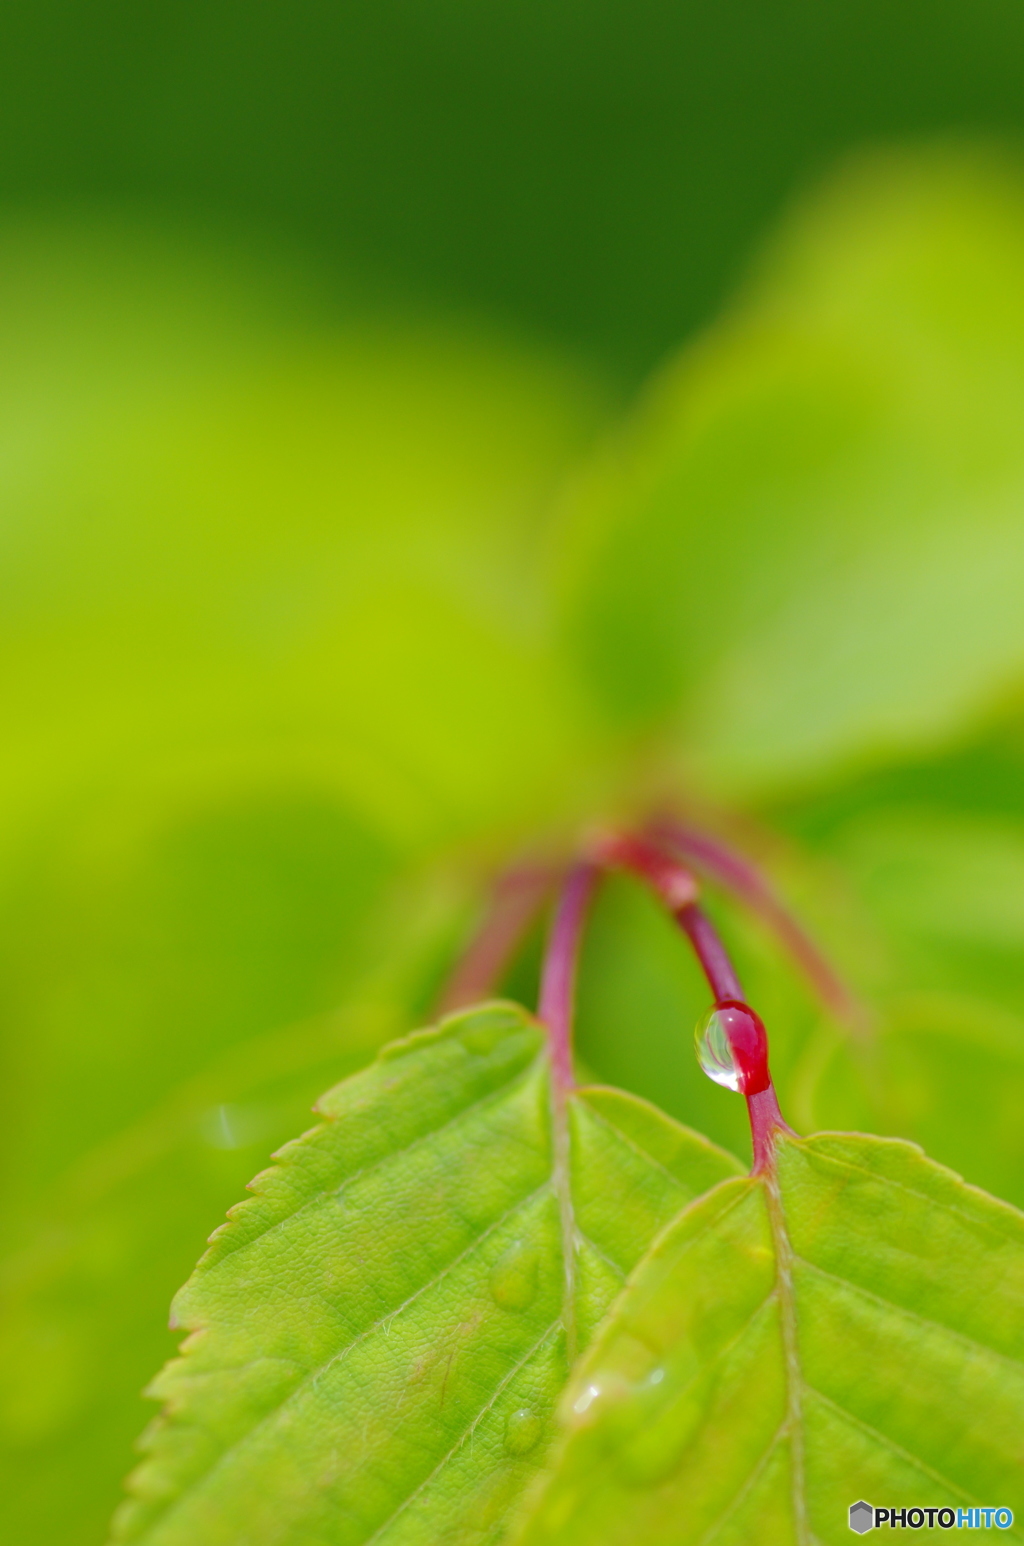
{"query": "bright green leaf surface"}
pixel 380 1334
pixel 253 533
pixel 855 1330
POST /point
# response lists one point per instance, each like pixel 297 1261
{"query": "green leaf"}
pixel 806 549
pixel 380 1334
pixel 253 534
pixel 264 555
pixel 945 1071
pixel 852 1329
pixel 140 943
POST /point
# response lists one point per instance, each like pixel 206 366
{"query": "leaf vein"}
pixel 598 1116
pixel 314 1375
pixel 556 1325
pixel 749 1483
pixel 790 1349
pixel 620 1272
pixel 897 1449
pixel 915 1315
pixel 282 1167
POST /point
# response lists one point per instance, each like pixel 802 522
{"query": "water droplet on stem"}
pixel 732 1047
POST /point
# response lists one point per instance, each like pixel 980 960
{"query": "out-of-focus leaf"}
pixel 945 1070
pixel 262 554
pixel 940 896
pixel 136 944
pixel 807 549
pixel 379 1335
pixel 250 534
pixel 853 1330
pixel 946 893
pixel 263 557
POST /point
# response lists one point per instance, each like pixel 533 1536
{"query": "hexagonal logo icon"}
pixel 862 1517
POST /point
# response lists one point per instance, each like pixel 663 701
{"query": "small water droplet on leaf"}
pixel 600 1394
pixel 641 1425
pixel 513 1281
pixel 483 1032
pixel 522 1431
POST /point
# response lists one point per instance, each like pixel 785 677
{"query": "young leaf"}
pixel 381 1332
pixel 848 1325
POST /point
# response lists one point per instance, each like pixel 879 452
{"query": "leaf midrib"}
pixel 789 1332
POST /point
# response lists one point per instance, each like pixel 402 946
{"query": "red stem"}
pixel 718 861
pixel 677 889
pixel 765 1121
pixel 558 979
pixel 710 952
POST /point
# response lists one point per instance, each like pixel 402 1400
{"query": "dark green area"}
pixel 598 171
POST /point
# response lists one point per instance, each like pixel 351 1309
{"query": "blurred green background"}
pixel 349 548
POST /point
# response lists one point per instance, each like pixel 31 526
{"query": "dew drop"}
pixel 714 1053
pixel 522 1430
pixel 586 1398
pixel 732 1047
pixel 643 1425
pixel 513 1280
pixel 662 1426
pixel 601 1393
